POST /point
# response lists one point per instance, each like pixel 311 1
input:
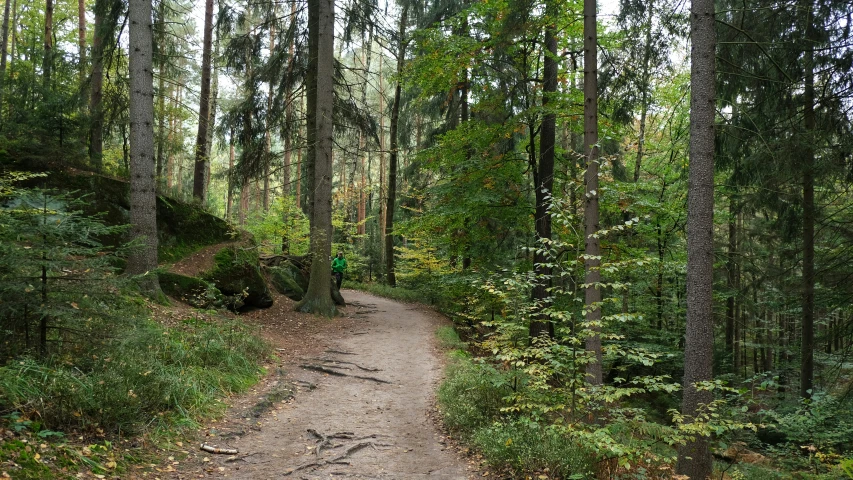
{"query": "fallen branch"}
pixel 225 451
pixel 331 360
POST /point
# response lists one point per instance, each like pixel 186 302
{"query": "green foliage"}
pixel 145 378
pixel 281 229
pixel 56 278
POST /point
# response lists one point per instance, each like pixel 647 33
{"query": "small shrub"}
pixel 449 339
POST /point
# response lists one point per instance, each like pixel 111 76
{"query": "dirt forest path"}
pixel 363 407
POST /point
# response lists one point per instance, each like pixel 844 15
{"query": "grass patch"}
pixel 394 293
pixel 147 379
pixel 449 339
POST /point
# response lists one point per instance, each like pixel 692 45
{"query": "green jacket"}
pixel 339 265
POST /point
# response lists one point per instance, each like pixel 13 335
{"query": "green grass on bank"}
pixel 147 379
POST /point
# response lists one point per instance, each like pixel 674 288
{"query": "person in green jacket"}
pixel 339 264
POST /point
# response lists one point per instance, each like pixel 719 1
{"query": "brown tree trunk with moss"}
pixel 318 298
pixel 200 170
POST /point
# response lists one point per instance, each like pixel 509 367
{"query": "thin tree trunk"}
pixel 392 161
pixel 4 47
pixel 807 341
pixel 96 131
pixel 161 89
pixel 541 325
pixel 143 199
pixel 288 117
pixel 694 458
pixel 268 144
pixel 732 279
pixel 229 200
pixel 592 251
pixel 81 39
pixel 382 193
pixel 318 298
pixel 214 101
pixel 644 87
pixel 201 153
pixel 47 61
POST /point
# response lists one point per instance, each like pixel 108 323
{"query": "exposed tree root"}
pixel 323 369
pixel 343 362
pixel 325 442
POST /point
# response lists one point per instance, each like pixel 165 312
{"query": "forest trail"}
pixel 362 409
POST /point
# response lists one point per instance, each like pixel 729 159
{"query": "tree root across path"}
pixel 327 442
pixel 329 370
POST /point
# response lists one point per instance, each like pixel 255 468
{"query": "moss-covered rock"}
pixel 282 279
pixel 194 291
pixel 236 272
pixel 182 227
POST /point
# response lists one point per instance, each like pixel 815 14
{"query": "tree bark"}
pixel 382 193
pixel 541 325
pixel 230 198
pixel 161 89
pixel 268 144
pixel 731 268
pixel 96 99
pixel 4 47
pixel 47 61
pixel 592 251
pixel 143 198
pixel 644 86
pixel 807 341
pixel 318 298
pixel 81 39
pixel 392 159
pixel 201 154
pixel 694 458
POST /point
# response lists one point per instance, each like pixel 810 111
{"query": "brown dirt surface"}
pixel 350 398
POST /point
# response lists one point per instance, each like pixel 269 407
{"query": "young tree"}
pixel 694 458
pixel 4 47
pixel 318 298
pixel 143 196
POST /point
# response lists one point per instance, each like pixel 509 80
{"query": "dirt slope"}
pixel 365 389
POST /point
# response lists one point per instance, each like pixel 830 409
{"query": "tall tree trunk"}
pixel 47 61
pixel 592 251
pixel 311 109
pixel 392 159
pixel 382 192
pixel 807 342
pixel 143 198
pixel 161 88
pixel 201 153
pixel 644 87
pixel 268 135
pixel 288 116
pixel 731 268
pixel 96 99
pixel 541 325
pixel 694 458
pixel 4 47
pixel 318 298
pixel 230 198
pixel 81 39
pixel 214 101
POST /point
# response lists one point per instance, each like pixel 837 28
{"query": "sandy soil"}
pixel 361 406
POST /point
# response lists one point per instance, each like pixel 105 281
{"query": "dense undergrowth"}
pixel 88 373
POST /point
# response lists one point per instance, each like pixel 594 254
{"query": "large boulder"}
pixel 236 272
pixel 195 292
pixel 283 279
